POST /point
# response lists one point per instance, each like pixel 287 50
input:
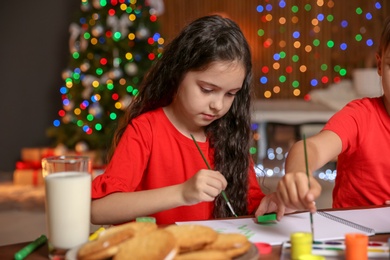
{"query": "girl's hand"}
pixel 205 185
pixel 293 191
pixel 270 203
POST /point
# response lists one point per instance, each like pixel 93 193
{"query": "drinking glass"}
pixel 68 202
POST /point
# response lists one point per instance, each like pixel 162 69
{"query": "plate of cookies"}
pixel 145 240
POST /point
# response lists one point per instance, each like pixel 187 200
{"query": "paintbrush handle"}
pixel 209 167
pixel 308 179
pixel 201 153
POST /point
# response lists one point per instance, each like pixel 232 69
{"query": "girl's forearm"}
pixel 122 207
pixel 295 161
pixel 321 148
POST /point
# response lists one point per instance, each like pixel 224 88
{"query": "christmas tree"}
pixel 112 45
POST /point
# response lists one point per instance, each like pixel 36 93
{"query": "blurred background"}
pixel 298 47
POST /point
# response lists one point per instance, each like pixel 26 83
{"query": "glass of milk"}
pixel 68 202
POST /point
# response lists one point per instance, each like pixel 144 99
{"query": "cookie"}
pixel 138 227
pixel 233 244
pixel 106 246
pixel 155 245
pixel 205 254
pixel 192 237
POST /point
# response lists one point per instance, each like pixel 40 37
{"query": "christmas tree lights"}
pixel 112 44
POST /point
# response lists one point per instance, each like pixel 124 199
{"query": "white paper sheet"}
pixel 278 232
pixel 375 218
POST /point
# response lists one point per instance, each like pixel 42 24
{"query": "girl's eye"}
pixel 206 90
pixel 231 94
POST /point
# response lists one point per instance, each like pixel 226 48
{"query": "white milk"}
pixel 68 207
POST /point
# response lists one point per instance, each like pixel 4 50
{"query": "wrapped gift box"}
pixel 28 177
pixel 35 154
pixel 28 171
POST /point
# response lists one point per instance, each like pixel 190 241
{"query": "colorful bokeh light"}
pixel 309 53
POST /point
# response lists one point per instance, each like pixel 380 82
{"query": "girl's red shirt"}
pixel 152 154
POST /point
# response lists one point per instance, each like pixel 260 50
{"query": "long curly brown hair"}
pixel 205 40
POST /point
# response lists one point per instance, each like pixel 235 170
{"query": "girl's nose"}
pixel 217 103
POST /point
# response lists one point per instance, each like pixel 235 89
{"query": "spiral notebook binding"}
pixel 368 230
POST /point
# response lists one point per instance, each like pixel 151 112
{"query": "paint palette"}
pixel 336 249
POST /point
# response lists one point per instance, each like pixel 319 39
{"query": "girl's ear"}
pixel 379 64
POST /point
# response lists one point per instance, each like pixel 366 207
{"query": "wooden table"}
pixel 8 251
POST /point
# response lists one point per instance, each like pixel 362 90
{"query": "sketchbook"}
pixel 328 225
pixel 376 218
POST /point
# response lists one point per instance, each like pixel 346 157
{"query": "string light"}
pixel 306 48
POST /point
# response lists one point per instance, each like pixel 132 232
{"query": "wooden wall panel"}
pixel 180 12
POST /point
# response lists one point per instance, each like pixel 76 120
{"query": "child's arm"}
pixel 293 189
pixel 122 207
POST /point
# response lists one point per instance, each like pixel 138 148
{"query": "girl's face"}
pixel 205 96
pixel 383 65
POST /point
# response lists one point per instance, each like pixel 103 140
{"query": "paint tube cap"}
pixel 266 218
pixel 96 234
pixel 145 219
pixel 264 248
pixel 356 246
pixel 301 237
pixel 301 244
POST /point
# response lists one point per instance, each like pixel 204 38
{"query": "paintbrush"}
pixel 308 178
pixel 208 166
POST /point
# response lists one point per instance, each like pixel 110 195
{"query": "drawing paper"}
pixel 278 232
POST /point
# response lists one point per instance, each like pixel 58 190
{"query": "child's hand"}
pixel 205 185
pixel 270 203
pixel 293 191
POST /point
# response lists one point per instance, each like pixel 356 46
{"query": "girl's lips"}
pixel 208 117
